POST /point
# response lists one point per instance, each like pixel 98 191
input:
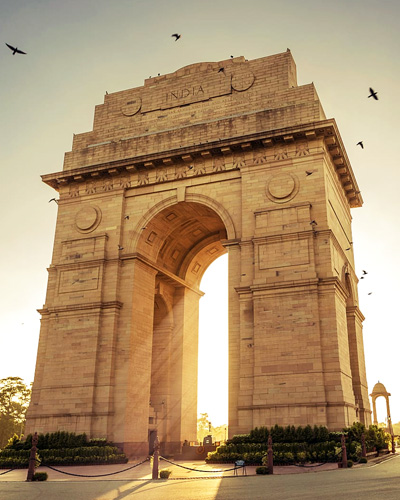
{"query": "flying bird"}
pixel 176 36
pixel 347 249
pixel 308 172
pixel 370 293
pixel 313 223
pixel 360 144
pixel 373 94
pixel 120 248
pixel 364 272
pixel 221 70
pixel 15 50
pixel 126 217
pixel 53 199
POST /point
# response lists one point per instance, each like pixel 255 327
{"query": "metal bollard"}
pixel 363 446
pixel 344 453
pixel 270 456
pixel 155 458
pixel 32 458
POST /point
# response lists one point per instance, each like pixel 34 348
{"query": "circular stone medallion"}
pixel 131 107
pixel 87 219
pixel 242 80
pixel 282 187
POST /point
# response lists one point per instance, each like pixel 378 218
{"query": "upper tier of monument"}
pixel 187 107
pixel 201 109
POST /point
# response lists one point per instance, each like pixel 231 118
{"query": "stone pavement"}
pixel 373 482
pixel 143 472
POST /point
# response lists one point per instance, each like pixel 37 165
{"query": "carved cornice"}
pixel 188 160
pixel 46 311
pixel 355 311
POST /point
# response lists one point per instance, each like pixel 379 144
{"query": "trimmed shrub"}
pixel 262 470
pixel 56 440
pixel 65 456
pixel 165 473
pixel 40 476
pixel 349 463
pixel 363 460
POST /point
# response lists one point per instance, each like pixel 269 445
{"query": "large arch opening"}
pixel 213 351
pixel 177 245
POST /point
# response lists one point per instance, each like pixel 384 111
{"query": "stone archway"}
pixel 175 247
pixel 379 390
pixel 176 172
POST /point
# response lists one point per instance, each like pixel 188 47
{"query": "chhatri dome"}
pixel 379 389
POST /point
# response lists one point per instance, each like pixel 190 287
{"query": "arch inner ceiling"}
pixel 183 239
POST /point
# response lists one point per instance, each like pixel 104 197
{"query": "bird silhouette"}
pixel 364 272
pixel 176 36
pixel 53 199
pixel 370 293
pixel 120 248
pixel 360 144
pixel 15 50
pixel 373 94
pixel 221 70
pixel 347 249
pixel 126 217
pixel 313 223
pixel 308 172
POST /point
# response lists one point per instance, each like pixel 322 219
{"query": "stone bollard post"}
pixel 344 453
pixel 363 446
pixel 32 458
pixel 155 458
pixel 270 456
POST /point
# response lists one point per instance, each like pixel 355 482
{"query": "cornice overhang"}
pixel 324 129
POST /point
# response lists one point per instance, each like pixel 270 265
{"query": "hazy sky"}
pixel 76 50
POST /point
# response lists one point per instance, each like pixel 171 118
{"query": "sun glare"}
pixel 213 343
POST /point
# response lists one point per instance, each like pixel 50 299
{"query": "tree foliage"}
pixel 14 401
pixel 205 427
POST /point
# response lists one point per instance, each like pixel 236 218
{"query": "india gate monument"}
pixel 218 157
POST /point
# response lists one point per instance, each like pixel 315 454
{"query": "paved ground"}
pixel 371 481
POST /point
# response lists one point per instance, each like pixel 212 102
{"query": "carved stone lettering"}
pixel 183 93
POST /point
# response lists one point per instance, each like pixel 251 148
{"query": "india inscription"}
pixel 210 159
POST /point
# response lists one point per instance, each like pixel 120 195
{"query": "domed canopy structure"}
pixel 380 390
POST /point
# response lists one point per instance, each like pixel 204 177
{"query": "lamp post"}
pixel 155 458
pixel 344 452
pixel 32 458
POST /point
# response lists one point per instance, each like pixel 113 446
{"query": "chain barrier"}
pixel 97 475
pixel 7 471
pixel 198 470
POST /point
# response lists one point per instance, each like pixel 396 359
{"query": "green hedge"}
pixel 64 456
pixel 289 434
pixel 284 453
pixel 298 444
pixel 56 440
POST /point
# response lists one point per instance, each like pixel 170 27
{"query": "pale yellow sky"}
pixel 77 50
